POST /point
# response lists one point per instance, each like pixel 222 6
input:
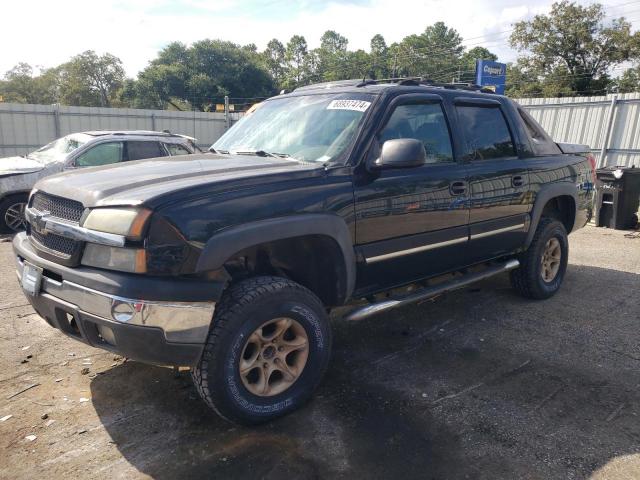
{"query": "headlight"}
pixel 132 260
pixel 129 222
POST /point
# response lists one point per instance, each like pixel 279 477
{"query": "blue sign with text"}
pixel 491 75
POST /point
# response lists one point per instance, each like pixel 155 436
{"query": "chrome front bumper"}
pixel 181 322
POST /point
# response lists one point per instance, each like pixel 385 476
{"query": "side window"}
pixel 541 143
pixel 486 133
pixel 139 150
pixel 424 122
pixel 101 154
pixel 176 149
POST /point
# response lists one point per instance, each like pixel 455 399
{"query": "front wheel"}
pixel 12 218
pixel 267 351
pixel 543 265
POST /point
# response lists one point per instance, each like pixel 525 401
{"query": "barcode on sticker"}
pixel 356 105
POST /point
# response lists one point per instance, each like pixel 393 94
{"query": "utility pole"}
pixel 227 120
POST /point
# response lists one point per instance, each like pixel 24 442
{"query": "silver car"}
pixel 86 149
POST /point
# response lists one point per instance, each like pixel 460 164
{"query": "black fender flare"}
pixel 546 193
pixel 229 241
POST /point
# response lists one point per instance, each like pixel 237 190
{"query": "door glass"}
pixel 424 122
pixel 486 133
pixel 176 149
pixel 139 150
pixel 102 154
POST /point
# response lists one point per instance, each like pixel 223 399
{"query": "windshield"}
pixel 316 128
pixel 60 148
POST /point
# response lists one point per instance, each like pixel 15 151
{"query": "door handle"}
pixel 458 188
pixel 517 181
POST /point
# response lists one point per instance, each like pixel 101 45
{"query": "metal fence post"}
pixel 56 119
pixel 153 122
pixel 606 134
pixel 227 119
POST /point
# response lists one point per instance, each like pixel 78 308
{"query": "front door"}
pixel 498 180
pixel 411 222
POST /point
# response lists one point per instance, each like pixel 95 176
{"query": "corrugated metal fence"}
pixel 610 124
pixel 24 128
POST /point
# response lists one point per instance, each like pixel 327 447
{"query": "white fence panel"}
pixel 585 120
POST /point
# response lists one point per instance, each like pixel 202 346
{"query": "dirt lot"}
pixel 478 384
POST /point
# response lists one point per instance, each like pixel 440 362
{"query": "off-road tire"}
pixel 244 307
pixel 528 279
pixel 7 203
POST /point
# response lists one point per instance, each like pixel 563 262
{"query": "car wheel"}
pixel 543 265
pixel 12 214
pixel 267 350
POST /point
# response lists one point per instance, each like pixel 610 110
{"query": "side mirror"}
pixel 402 153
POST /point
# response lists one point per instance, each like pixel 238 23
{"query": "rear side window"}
pixel 541 143
pixel 176 149
pixel 101 154
pixel 139 150
pixel 486 133
pixel 424 122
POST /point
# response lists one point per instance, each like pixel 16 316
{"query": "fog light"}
pixel 122 311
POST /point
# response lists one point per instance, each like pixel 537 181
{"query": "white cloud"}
pixel 48 33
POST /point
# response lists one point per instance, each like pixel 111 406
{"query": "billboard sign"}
pixel 491 75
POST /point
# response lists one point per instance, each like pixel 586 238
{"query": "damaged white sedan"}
pixel 87 149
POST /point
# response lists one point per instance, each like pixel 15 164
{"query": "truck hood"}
pixel 17 165
pixel 134 183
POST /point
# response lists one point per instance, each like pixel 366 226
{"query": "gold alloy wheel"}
pixel 274 357
pixel 551 260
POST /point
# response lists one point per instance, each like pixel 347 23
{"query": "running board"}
pixel 430 292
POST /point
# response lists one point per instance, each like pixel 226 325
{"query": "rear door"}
pixel 498 179
pixel 411 222
pixel 141 149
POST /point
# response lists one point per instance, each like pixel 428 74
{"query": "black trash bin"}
pixel 618 196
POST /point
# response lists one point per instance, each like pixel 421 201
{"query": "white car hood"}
pixel 17 165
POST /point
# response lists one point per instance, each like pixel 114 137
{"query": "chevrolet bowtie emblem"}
pixel 39 221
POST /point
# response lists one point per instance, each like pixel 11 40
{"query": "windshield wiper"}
pixel 258 153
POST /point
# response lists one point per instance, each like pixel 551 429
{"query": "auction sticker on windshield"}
pixel 356 105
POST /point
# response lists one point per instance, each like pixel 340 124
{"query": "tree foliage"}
pixel 572 49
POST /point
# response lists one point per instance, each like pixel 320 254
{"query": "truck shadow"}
pixel 478 384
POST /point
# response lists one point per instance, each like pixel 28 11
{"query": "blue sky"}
pixel 46 33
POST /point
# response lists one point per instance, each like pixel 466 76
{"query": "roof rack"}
pixel 404 81
pixel 417 81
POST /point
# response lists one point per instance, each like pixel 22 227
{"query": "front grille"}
pixel 65 209
pixel 59 207
pixel 54 242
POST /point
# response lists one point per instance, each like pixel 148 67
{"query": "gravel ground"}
pixel 479 383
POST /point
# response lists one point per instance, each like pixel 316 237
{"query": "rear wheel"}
pixel 12 213
pixel 543 265
pixel 268 349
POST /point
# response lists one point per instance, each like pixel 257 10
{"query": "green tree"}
pixel 572 48
pixel 629 81
pixel 296 53
pixel 91 79
pixel 467 65
pixel 21 85
pixel 434 54
pixel 199 76
pixel 379 56
pixel 332 56
pixel 274 60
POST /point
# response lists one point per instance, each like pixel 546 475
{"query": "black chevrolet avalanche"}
pixel 229 262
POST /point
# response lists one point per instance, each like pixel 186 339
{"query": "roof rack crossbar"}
pixel 415 81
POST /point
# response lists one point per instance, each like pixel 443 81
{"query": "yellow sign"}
pixel 219 107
